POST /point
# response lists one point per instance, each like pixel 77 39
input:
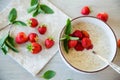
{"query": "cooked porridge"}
pixel 86 60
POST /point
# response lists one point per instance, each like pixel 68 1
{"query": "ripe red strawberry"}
pixel 33 22
pixel 72 43
pixel 79 47
pixel 85 10
pixel 86 42
pixel 77 33
pixel 21 38
pixel 49 42
pixel 103 16
pixel 85 33
pixel 90 47
pixel 34 48
pixel 33 37
pixel 118 43
pixel 42 29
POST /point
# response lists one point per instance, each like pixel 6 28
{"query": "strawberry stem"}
pixel 29 47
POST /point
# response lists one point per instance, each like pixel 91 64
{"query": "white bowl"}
pixel 104 42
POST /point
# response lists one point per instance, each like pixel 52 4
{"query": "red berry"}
pixel 49 43
pixel 85 10
pixel 33 22
pixel 72 43
pixel 77 33
pixel 79 47
pixel 102 16
pixel 42 29
pixel 118 43
pixel 34 48
pixel 33 37
pixel 90 47
pixel 86 42
pixel 21 38
pixel 85 33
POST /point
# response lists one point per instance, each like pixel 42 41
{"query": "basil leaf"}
pixel 32 8
pixel 68 27
pixel 11 46
pixel 46 9
pixel 33 2
pixel 12 15
pixel 19 23
pixel 2 40
pixel 65 43
pixel 49 74
pixel 4 48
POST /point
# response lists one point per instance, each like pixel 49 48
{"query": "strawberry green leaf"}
pixel 19 23
pixel 32 8
pixel 12 15
pixel 4 49
pixel 2 40
pixel 11 46
pixel 49 74
pixel 46 9
pixel 34 2
pixel 68 27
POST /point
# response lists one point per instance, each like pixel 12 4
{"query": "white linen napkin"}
pixel 55 22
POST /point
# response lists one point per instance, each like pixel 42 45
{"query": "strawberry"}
pixel 86 42
pixel 72 43
pixel 85 10
pixel 90 47
pixel 77 33
pixel 79 47
pixel 85 33
pixel 42 29
pixel 33 37
pixel 118 43
pixel 21 38
pixel 34 48
pixel 49 42
pixel 102 16
pixel 33 22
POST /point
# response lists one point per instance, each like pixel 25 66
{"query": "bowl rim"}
pixel 79 70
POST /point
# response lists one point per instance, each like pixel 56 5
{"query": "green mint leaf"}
pixel 35 13
pixel 67 33
pixel 11 46
pixel 73 38
pixel 38 11
pixel 49 74
pixel 19 23
pixel 32 8
pixel 46 9
pixel 33 2
pixel 11 40
pixel 65 43
pixel 12 15
pixel 63 38
pixel 4 48
pixel 2 40
pixel 68 27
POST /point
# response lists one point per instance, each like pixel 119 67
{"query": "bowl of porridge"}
pixel 102 40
